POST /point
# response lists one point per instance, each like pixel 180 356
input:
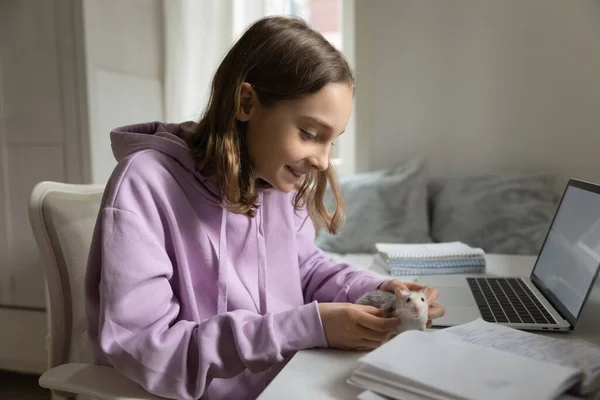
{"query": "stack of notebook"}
pixel 430 258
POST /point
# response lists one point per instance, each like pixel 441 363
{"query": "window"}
pixel 324 16
pixel 334 19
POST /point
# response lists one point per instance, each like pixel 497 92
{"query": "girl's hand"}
pixel 352 326
pixel 436 310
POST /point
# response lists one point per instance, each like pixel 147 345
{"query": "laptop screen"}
pixel 570 258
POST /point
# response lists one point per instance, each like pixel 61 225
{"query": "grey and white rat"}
pixel 410 307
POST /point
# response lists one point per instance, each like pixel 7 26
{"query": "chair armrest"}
pixel 99 382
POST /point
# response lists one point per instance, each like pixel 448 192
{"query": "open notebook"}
pixel 479 360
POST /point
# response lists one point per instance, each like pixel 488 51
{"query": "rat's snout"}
pixel 417 309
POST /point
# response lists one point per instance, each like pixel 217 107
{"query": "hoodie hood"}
pixel 167 138
pixel 163 137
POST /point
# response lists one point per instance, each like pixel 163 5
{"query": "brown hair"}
pixel 282 58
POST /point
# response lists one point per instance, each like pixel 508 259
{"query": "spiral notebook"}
pixel 430 258
pixel 416 251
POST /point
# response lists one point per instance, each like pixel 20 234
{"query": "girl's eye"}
pixel 307 135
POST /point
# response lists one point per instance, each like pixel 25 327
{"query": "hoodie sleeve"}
pixel 323 279
pixel 138 332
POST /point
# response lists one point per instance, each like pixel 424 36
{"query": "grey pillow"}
pixel 499 213
pixel 381 206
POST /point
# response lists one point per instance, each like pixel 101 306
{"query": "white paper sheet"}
pixel 368 395
pixel 582 355
pixel 442 364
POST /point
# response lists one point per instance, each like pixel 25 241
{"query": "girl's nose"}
pixel 321 161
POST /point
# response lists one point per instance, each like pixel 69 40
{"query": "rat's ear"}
pixel 401 294
pixel 248 102
pixel 426 292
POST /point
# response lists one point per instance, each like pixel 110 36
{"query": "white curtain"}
pixel 198 33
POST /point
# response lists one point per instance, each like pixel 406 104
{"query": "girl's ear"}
pixel 247 102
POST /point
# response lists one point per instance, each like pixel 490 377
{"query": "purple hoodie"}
pixel 190 300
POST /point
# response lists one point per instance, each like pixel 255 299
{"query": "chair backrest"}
pixel 63 217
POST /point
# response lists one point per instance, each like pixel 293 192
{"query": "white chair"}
pixel 62 217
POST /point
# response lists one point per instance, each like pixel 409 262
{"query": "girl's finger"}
pixel 414 286
pixel 368 334
pixel 436 311
pixel 365 344
pixel 397 283
pixel 432 294
pixel 369 309
pixel 378 324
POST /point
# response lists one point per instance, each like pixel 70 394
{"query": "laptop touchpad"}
pixel 454 296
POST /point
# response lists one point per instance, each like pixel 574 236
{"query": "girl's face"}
pixel 294 137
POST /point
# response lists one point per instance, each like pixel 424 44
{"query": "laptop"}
pixel 554 294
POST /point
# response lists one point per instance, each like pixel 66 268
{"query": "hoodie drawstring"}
pixel 262 263
pixel 223 266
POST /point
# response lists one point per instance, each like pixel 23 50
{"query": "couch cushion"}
pixel 507 214
pixel 381 206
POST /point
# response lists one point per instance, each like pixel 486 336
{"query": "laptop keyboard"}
pixel 508 300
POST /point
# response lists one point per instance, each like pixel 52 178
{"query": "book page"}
pixel 441 366
pixel 369 395
pixel 581 355
pixel 385 391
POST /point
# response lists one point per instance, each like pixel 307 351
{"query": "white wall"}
pixel 480 85
pixel 124 67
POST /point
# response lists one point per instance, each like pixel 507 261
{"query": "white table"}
pixel 321 374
